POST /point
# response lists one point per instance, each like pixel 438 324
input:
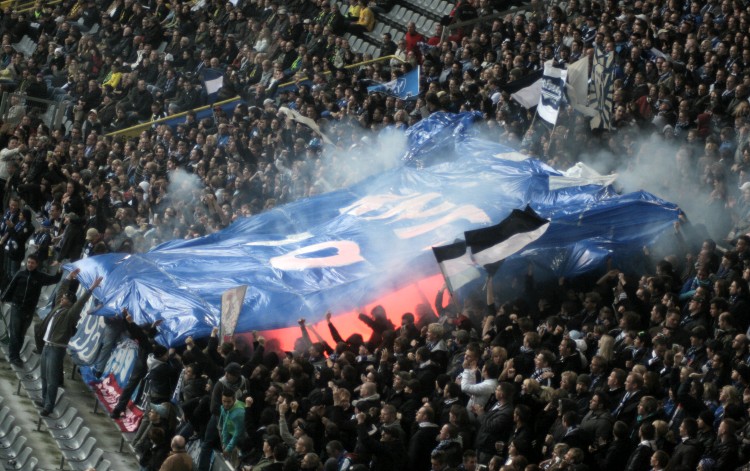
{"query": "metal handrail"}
pixel 481 19
pixel 135 130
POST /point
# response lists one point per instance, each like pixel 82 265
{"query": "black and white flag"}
pixel 491 245
pixel 603 76
pixel 551 96
pixel 456 265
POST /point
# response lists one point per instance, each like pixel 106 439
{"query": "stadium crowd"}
pixel 633 371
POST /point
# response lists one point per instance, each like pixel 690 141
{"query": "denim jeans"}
pixel 112 331
pixel 211 442
pixel 52 370
pixel 18 324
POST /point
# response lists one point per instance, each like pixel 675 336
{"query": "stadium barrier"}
pixel 207 110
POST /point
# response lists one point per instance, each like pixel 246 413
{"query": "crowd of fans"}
pixel 629 372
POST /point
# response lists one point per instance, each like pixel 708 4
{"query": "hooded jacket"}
pixel 232 425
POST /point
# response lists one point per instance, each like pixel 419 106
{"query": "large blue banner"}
pixel 347 248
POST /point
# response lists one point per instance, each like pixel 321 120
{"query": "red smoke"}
pixel 396 304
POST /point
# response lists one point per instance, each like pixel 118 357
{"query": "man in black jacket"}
pixel 641 457
pixel 23 295
pixel 495 424
pixel 687 454
pixel 627 409
pixel 388 454
pixel 422 440
pixel 726 446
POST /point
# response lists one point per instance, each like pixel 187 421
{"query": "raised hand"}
pixel 96 282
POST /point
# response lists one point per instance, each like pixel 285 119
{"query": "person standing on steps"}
pixel 23 294
pixel 58 328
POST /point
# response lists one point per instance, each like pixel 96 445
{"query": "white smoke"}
pixel 368 155
pixel 649 162
pixel 183 185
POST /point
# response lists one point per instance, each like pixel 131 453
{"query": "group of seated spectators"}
pixel 632 371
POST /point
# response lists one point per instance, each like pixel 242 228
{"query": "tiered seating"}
pixel 14 454
pixel 424 13
pixel 76 443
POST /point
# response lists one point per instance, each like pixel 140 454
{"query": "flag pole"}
pixel 449 287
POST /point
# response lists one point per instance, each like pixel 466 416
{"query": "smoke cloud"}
pixel 183 185
pixel 671 169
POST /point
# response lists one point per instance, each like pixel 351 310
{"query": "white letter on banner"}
pixel 85 343
pixel 121 362
pixel 413 207
pixel 469 212
pixel 347 254
pixel 290 239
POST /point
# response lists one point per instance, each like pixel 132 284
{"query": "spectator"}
pixel 231 422
pixel 23 294
pixel 178 459
pixel 59 327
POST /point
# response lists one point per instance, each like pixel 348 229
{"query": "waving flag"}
pixel 603 76
pixel 578 86
pixel 405 87
pixel 213 80
pixel 551 94
pixel 491 245
pixel 456 265
pixel 528 97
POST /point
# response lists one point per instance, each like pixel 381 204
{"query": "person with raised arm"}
pixel 58 328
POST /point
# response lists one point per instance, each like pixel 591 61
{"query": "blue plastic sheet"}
pixel 349 247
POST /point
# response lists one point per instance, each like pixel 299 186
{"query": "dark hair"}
pixel 280 451
pixel 454 389
pixel 691 426
pixel 648 431
pixel 493 369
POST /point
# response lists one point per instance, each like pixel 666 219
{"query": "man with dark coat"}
pixel 387 454
pixel 23 295
pixel 641 457
pixel 615 457
pixel 72 240
pixel 627 409
pixel 687 454
pixel 495 424
pixel 598 421
pixel 423 440
pixel 575 436
pixel 726 446
pixel 58 327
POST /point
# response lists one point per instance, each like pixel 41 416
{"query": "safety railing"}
pixel 138 128
pixel 13 106
pixel 483 19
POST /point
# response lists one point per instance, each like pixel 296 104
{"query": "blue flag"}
pixel 405 87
